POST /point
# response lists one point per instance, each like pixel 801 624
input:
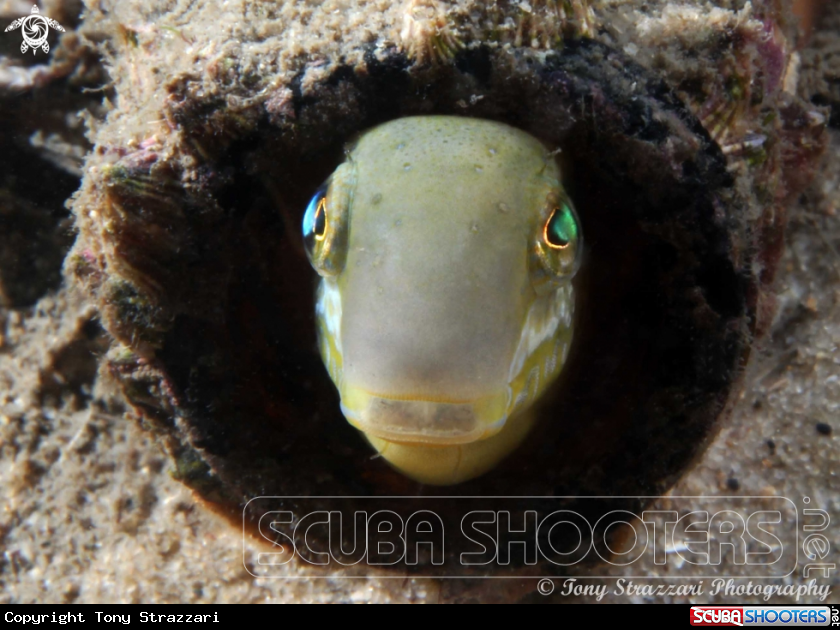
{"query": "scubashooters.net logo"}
pixel 763 616
pixel 725 540
pixel 35 28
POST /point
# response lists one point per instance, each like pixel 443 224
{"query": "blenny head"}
pixel 446 247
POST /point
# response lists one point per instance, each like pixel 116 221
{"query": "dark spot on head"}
pixel 823 428
pixel 733 484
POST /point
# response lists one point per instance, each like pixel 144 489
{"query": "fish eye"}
pixel 561 229
pixel 315 220
pixel 556 254
pixel 324 225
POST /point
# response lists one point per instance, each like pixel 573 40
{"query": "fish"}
pixel 446 248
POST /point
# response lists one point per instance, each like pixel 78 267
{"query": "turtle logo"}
pixel 36 27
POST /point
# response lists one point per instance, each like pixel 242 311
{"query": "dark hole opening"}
pixel 652 361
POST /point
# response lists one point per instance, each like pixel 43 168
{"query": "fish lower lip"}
pixel 423 421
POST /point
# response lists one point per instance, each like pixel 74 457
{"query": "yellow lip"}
pixel 427 420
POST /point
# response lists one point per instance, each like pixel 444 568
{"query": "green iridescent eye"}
pixel 559 244
pixel 325 223
pixel 561 229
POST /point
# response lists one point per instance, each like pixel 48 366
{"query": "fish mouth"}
pixel 424 420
